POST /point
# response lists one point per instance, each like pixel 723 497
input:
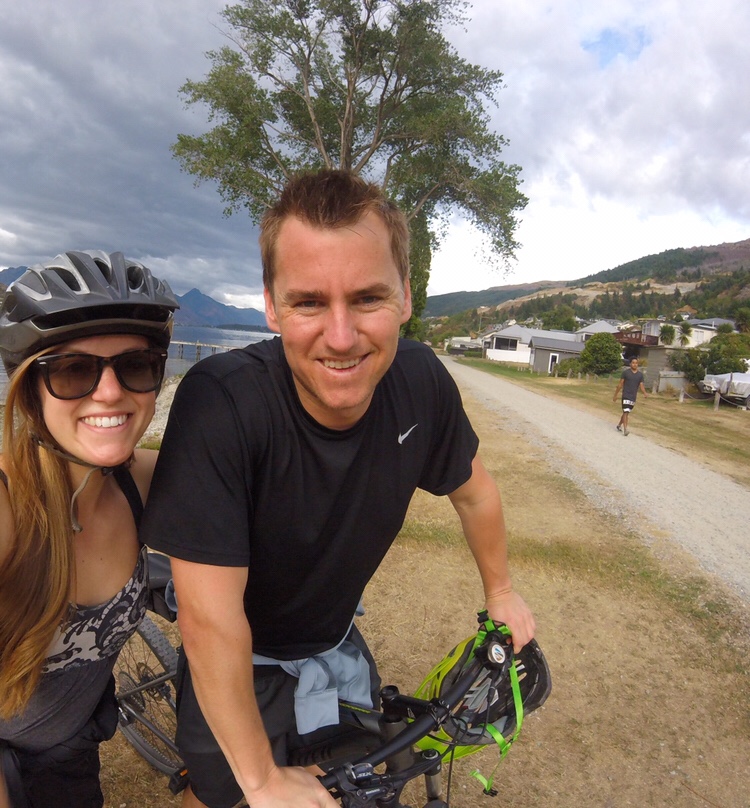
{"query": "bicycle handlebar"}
pixel 436 714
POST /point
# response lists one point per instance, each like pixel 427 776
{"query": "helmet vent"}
pixel 70 279
pixel 106 270
pixel 135 278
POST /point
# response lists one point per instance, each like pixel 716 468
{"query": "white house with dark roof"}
pixel 512 344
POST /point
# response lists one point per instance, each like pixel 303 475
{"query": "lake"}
pixel 205 336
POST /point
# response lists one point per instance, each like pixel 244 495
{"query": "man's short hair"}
pixel 330 199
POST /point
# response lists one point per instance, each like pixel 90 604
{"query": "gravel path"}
pixel 705 513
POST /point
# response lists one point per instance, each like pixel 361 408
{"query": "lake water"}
pixel 190 334
pixel 205 336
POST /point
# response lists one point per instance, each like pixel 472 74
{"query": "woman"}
pixel 84 342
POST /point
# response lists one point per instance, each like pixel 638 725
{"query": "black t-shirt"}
pixel 631 383
pixel 247 478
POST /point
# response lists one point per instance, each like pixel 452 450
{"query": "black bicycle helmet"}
pixel 81 294
pixel 493 709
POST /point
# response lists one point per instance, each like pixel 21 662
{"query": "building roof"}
pixel 568 346
pixel 525 334
pixel 709 322
pixel 599 327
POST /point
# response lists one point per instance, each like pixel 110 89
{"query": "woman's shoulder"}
pixel 143 469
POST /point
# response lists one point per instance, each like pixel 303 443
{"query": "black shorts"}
pixel 66 776
pixel 210 776
pixel 628 405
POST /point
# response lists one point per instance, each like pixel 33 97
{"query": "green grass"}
pixel 431 533
pixel 152 443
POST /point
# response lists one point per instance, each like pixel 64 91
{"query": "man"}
pixel 630 382
pixel 285 474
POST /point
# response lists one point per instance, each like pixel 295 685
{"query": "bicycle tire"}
pixel 148 655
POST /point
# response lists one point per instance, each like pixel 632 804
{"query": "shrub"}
pixel 569 365
pixel 691 362
pixel 602 354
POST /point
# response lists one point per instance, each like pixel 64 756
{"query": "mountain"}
pixel 663 271
pixel 195 307
pixel 10 274
pixel 685 267
pixel 199 309
pixel 455 302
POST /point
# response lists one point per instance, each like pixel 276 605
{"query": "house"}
pixel 459 345
pixel 633 339
pixel 546 352
pixel 599 327
pixel 685 311
pixel 511 344
pixel 703 331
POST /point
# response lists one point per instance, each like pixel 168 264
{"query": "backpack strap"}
pixel 125 480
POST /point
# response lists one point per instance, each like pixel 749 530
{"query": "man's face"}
pixel 634 365
pixel 338 303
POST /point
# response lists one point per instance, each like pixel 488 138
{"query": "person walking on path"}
pixel 630 382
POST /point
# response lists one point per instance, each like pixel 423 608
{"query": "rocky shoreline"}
pixel 158 423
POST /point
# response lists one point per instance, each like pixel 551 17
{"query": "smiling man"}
pixel 285 474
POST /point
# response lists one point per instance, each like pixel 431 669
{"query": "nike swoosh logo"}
pixel 402 438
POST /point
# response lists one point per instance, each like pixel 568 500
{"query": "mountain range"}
pixel 662 272
pixel 198 309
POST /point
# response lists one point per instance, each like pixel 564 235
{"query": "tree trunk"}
pixel 420 258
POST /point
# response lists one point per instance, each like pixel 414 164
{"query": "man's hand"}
pixel 289 787
pixel 510 608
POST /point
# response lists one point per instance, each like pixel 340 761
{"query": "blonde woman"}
pixel 84 341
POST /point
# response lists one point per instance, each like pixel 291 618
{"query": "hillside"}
pixel 453 302
pixel 681 270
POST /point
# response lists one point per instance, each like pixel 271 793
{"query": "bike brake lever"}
pixel 353 789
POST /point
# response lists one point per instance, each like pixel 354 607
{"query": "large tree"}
pixel 372 86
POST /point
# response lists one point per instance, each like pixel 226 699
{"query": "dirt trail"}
pixel 665 495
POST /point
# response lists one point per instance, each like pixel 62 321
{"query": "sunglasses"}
pixel 76 375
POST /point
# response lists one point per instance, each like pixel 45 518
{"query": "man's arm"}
pixel 617 391
pixel 480 509
pixel 218 643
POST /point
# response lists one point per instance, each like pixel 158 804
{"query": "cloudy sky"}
pixel 630 120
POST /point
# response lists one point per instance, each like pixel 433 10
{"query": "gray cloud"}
pixel 89 108
pixel 622 108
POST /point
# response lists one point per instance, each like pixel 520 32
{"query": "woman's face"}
pixel 104 427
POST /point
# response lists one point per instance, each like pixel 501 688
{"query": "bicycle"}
pixel 145 683
pixel 476 695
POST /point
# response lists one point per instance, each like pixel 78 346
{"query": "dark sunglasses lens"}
pixel 139 371
pixel 72 376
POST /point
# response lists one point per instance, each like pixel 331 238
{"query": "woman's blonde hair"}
pixel 38 572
